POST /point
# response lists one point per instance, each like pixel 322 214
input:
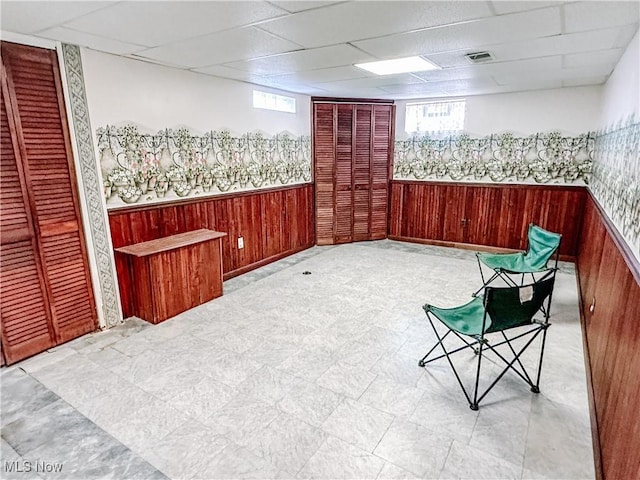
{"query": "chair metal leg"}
pixel 509 364
pixel 470 345
pixel 422 362
pixel 474 405
pixel 484 283
pixel 447 354
pixel 536 388
pixel 515 356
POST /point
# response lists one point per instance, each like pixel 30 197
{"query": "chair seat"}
pixel 466 319
pixel 510 262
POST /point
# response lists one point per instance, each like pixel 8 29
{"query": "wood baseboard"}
pixel 263 262
pixel 595 435
pixel 467 246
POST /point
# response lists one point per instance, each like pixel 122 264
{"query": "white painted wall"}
pixel 121 90
pixel 621 93
pixel 572 111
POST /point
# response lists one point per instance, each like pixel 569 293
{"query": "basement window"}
pixel 435 117
pixel 271 101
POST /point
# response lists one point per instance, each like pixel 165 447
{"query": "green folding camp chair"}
pixel 542 246
pixel 499 310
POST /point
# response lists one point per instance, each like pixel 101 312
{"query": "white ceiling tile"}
pixel 600 57
pixel 226 72
pixel 335 56
pixel 31 17
pixel 583 81
pixel 95 42
pixel 221 47
pixel 323 75
pixel 470 91
pixel 345 22
pixel 557 44
pixel 470 83
pixel 468 71
pixel 451 59
pixel 527 65
pixel 598 70
pixel 625 35
pixel 158 23
pixel 540 47
pixel 484 70
pixel 415 90
pixel 580 16
pixel 519 86
pixel 522 76
pixel 377 81
pixel 294 88
pixel 299 6
pixel 502 7
pixel 495 30
pixel 331 90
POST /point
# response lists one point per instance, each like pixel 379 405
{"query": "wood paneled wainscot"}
pixel 609 278
pixel 273 223
pixel 494 216
pixel 175 273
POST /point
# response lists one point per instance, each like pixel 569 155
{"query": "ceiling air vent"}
pixel 479 57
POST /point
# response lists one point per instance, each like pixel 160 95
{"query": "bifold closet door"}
pixel 333 166
pixel 352 158
pixel 35 117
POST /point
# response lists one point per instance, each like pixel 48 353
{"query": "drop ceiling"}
pixel 310 47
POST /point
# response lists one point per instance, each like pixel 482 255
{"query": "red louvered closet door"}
pixel 353 148
pixel 53 255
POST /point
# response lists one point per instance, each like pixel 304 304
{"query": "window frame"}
pixel 462 101
pixel 276 105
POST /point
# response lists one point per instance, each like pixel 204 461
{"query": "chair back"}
pixel 542 245
pixel 515 306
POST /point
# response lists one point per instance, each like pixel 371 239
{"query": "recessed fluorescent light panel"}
pixel 398 65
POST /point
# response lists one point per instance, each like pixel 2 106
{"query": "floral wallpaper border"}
pixel 141 167
pixel 615 180
pixel 539 158
pixel 90 188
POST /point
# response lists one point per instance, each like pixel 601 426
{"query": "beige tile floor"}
pixel 301 376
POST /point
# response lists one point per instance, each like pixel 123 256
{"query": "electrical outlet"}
pixel 240 242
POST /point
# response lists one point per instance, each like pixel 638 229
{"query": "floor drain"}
pixel 306 272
